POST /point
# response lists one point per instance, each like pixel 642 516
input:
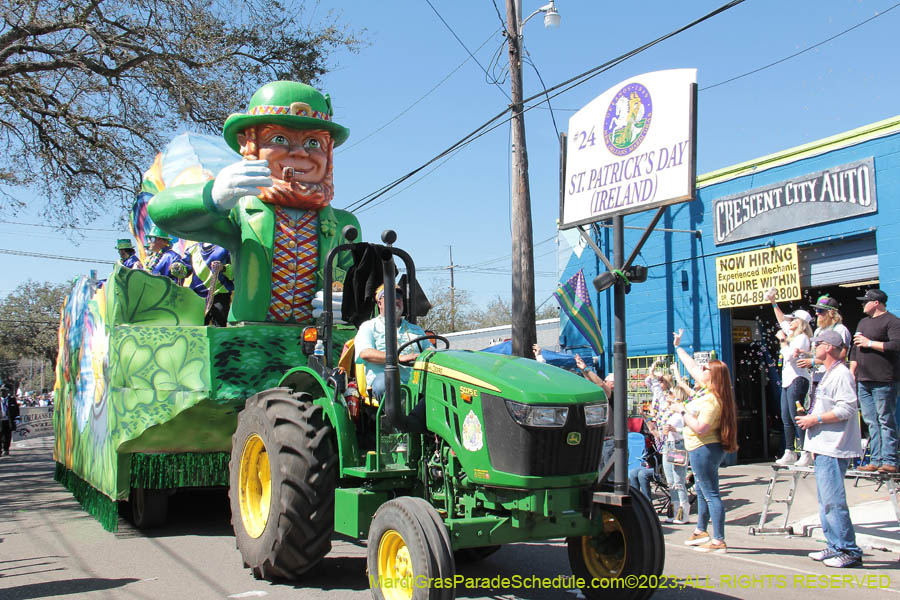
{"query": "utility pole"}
pixel 452 295
pixel 524 331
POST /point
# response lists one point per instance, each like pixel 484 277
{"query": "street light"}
pixel 524 333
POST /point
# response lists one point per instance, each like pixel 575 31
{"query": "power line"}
pixel 574 81
pixel 60 228
pixel 421 98
pixel 56 256
pixel 503 91
pixel 786 58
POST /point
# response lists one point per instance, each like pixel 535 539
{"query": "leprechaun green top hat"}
pixel 156 232
pixel 287 103
pixel 124 244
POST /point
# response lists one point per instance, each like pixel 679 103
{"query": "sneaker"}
pixel 680 518
pixel 712 547
pixel 806 459
pixel 696 539
pixel 870 468
pixel 823 554
pixel 843 561
pixel 788 458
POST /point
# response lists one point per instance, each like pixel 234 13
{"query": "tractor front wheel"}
pixel 282 473
pixel 630 543
pixel 409 546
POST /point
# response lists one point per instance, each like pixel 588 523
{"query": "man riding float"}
pixel 271 210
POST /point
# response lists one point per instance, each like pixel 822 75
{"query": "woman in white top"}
pixel 795 335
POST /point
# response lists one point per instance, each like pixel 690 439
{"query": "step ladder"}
pixel 793 474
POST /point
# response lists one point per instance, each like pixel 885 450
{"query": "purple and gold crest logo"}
pixel 627 119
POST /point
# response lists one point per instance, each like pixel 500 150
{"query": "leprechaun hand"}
pixel 243 178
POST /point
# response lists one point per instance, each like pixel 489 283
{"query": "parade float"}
pixel 475 451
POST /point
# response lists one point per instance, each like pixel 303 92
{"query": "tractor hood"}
pixel 511 377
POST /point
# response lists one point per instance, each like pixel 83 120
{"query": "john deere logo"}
pixel 573 439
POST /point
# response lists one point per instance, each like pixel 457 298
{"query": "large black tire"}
pixel 283 473
pixel 149 508
pixel 408 543
pixel 631 544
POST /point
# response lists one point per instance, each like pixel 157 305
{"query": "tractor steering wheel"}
pixel 423 337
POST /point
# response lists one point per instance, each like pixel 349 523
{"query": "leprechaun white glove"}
pixel 243 178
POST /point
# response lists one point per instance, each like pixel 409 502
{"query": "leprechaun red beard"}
pixel 293 194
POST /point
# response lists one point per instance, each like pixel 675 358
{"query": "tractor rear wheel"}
pixel 409 544
pixel 283 473
pixel 630 544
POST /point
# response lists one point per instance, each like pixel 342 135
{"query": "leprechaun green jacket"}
pixel 247 232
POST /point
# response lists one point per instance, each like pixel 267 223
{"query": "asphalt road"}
pixel 50 548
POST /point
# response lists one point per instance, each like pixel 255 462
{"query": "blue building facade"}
pixel 836 199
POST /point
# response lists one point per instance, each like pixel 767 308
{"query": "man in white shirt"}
pixel 832 434
pixel 370 344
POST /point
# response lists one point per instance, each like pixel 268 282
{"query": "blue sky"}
pixel 414 91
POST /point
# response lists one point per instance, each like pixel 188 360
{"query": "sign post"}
pixel 630 150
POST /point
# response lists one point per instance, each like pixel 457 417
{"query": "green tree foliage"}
pixel 29 323
pixel 92 89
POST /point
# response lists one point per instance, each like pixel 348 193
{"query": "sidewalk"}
pixel 744 491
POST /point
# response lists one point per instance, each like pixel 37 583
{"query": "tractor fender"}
pixel 304 379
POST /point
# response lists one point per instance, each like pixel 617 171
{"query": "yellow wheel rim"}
pixel 254 486
pixel 604 555
pixel 394 567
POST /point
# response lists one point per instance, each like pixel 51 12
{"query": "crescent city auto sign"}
pixel 830 195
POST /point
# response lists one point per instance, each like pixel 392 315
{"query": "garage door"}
pixel 843 261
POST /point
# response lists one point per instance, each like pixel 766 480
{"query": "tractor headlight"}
pixel 595 414
pixel 537 416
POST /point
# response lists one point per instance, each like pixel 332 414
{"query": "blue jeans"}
pixel 675 477
pixel 705 464
pixel 795 392
pixel 833 511
pixel 640 479
pixel 878 402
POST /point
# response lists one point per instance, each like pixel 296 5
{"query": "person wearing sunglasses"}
pixel 832 433
pixel 828 318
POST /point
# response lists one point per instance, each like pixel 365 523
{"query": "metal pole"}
pixel 524 331
pixel 620 393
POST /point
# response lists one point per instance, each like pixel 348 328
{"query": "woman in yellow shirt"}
pixel 710 431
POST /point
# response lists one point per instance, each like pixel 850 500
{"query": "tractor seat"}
pixel 356 371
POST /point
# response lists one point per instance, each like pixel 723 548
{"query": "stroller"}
pixel 643 445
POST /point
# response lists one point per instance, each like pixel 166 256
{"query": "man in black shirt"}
pixel 875 362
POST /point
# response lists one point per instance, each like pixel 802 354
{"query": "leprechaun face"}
pixel 303 151
pixel 300 162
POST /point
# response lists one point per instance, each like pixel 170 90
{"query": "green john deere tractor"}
pixel 476 451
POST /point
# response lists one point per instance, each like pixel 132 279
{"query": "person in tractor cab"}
pixel 271 210
pixel 127 256
pixel 163 260
pixel 370 344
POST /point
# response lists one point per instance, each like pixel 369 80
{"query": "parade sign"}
pixel 743 279
pixel 34 421
pixel 631 148
pixel 830 195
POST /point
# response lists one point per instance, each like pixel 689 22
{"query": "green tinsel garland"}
pixel 187 469
pixel 94 502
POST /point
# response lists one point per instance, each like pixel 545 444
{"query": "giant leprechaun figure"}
pixel 271 210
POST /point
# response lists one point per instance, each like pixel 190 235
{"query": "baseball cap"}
pixel 800 314
pixel 826 302
pixel 379 292
pixel 830 336
pixel 873 295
